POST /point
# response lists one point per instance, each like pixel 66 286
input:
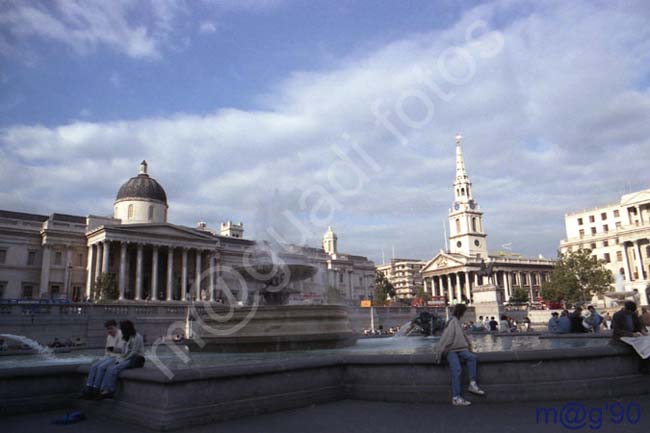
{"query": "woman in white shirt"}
pixel 132 357
pixel 112 349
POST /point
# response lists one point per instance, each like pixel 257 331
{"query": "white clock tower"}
pixel 466 235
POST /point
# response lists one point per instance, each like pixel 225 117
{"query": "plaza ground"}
pixel 363 416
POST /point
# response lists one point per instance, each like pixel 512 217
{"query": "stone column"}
pixel 212 272
pixel 106 251
pixel 447 290
pixel 170 273
pixel 468 288
pixel 138 274
pixel 476 279
pixel 66 271
pixel 98 259
pixel 197 278
pixel 122 279
pixel 639 260
pixel 90 271
pixel 626 261
pixel 184 276
pixel 45 272
pixel 531 294
pixel 506 285
pixel 154 274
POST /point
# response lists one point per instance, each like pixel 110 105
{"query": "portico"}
pixel 154 261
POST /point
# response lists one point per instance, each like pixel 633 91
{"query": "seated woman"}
pixel 131 357
pixel 113 348
pixel 456 346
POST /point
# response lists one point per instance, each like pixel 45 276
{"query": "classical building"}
pixel 619 234
pixel 453 272
pixel 404 275
pixel 149 258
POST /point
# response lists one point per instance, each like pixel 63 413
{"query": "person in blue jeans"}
pixel 456 346
pixel 112 349
pixel 131 357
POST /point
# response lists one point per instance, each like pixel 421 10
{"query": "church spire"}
pixel 462 184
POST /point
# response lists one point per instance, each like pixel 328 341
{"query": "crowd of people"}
pixel 504 324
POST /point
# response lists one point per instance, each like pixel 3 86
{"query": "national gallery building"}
pixel 61 256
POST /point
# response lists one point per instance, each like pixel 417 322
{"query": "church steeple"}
pixel 465 218
pixel 462 184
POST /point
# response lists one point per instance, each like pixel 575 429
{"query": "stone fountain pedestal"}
pixel 270 328
pixel 488 301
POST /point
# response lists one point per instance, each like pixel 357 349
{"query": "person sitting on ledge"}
pixel 504 324
pixel 645 318
pixel 576 321
pixel 132 357
pixel 626 323
pixel 113 348
pixel 456 346
pixel 564 325
pixel 554 323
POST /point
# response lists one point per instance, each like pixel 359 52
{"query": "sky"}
pixel 292 116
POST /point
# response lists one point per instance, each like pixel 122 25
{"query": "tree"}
pixel 576 277
pixel 105 287
pixel 383 288
pixel 519 296
pixel 422 294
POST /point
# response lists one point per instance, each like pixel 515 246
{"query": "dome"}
pixel 142 187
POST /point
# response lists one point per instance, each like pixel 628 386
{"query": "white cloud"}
pixel 556 121
pixel 207 27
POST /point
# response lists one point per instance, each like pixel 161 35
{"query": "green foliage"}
pixel 519 295
pixel 383 288
pixel 420 293
pixel 105 288
pixel 577 277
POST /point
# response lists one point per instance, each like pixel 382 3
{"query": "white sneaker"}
pixel 474 389
pixel 460 401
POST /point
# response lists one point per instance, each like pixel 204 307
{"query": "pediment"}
pixel 160 231
pixel 635 197
pixel 443 261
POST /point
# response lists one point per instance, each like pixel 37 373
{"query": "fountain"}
pixel 33 347
pixel 268 323
pixel 425 324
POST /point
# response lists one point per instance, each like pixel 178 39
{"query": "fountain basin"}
pixel 205 394
pixel 271 328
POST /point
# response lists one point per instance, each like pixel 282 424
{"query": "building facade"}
pixel 618 234
pixel 149 258
pixel 454 272
pixel 405 276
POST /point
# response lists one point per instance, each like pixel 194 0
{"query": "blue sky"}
pixel 244 108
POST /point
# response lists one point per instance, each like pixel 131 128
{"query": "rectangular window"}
pixel 592 219
pixel 31 258
pixel 579 221
pixel 3 257
pixel 605 228
pixel 582 233
pixel 619 256
pixel 618 224
pixel 58 258
pixel 593 230
pixel 592 246
pixel 605 243
pixel 80 259
pixel 603 216
pixel 607 258
pixel 3 287
pixel 617 213
pixel 28 291
pixel 55 290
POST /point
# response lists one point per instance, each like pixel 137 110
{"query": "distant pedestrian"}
pixel 504 325
pixel 564 323
pixel 494 325
pixel 576 321
pixel 456 346
pixel 593 321
pixel 554 323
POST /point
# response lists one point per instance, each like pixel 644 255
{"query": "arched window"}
pixel 622 272
pixel 474 224
pixel 462 191
pixel 457 225
pixel 130 212
pixel 150 213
